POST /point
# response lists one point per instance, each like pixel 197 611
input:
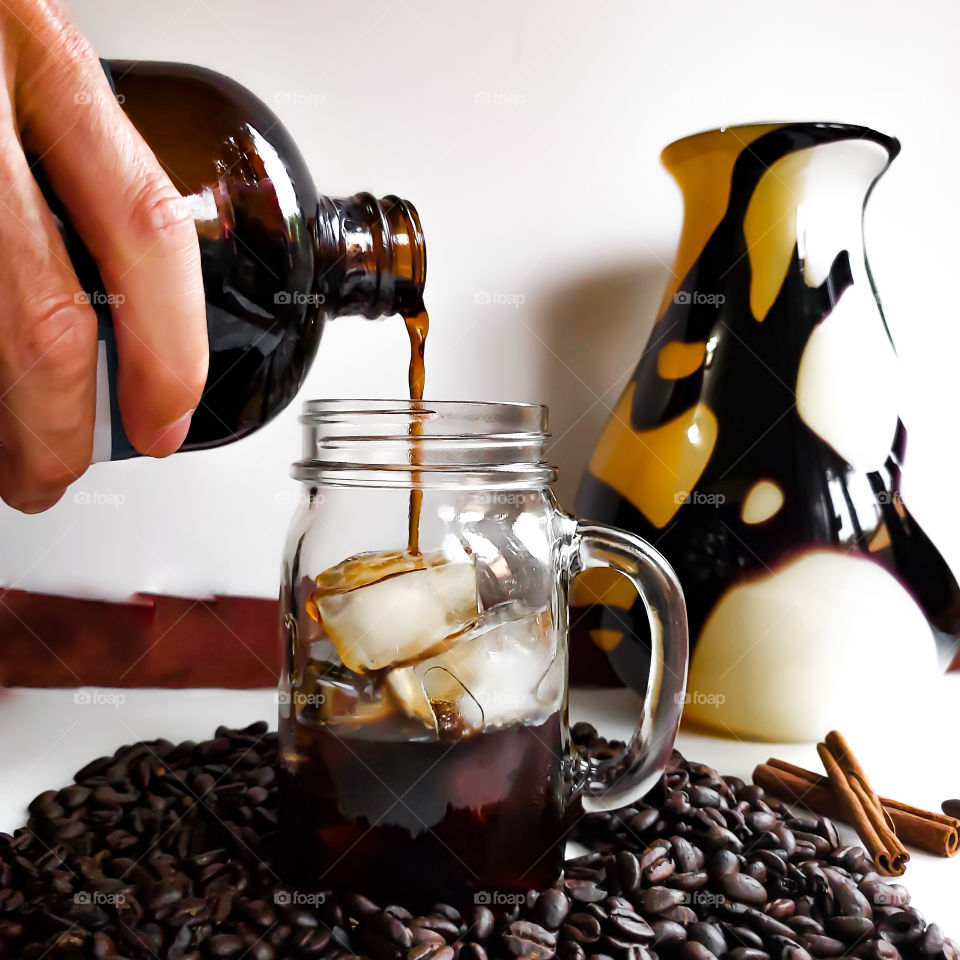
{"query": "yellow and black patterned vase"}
pixel 758 447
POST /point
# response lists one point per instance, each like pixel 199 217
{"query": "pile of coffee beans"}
pixel 165 851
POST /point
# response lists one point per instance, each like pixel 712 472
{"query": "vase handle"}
pixel 632 772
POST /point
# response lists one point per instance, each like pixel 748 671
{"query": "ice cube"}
pixel 327 693
pixel 383 609
pixel 493 675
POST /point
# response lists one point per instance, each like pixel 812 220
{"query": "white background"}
pixel 528 135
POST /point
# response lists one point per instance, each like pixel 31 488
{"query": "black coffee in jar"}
pixel 477 820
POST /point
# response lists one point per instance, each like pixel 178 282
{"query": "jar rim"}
pixel 321 409
pixel 422 444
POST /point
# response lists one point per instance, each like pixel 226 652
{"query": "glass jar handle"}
pixel 621 779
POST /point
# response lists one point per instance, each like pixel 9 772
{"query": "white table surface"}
pixel 45 736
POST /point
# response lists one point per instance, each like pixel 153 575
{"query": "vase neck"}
pixel 779 190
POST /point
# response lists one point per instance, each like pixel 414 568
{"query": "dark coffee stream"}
pixel 418 325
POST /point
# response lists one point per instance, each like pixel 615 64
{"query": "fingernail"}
pixel 168 439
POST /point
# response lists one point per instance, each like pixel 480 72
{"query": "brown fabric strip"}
pixel 150 641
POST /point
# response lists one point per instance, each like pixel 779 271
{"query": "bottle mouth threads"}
pixel 408 254
pixel 380 256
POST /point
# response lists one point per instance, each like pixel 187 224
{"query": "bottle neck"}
pixel 371 259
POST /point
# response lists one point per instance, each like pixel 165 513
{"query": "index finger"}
pixel 135 224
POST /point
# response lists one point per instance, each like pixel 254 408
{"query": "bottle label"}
pixel 109 439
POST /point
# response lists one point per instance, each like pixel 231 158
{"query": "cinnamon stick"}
pixel 864 816
pixel 926 830
pixel 837 744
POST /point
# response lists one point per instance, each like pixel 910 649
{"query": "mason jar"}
pixel 424 742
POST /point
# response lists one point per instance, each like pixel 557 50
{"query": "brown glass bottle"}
pixel 278 258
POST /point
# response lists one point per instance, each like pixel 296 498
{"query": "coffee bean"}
pixel 705 797
pixel 443 909
pixel 388 926
pixel 676 806
pixel 261 912
pixel 472 951
pixel 300 916
pixel 630 926
pixel 743 887
pixel 781 909
pixel 787 841
pixel 224 945
pixel 684 855
pixel 658 899
pixel 849 929
pixel 654 852
pixel 73 796
pixel 311 941
pixel 527 939
pixel 689 881
pixel 742 936
pixel 767 926
pixel 164 894
pixel 103 946
pixel 659 870
pixel 803 849
pixel 723 862
pixel 666 933
pixel 931 943
pixel 628 868
pixel 710 935
pixel 709 817
pixel 105 795
pixel 430 951
pixel 551 909
pixel 584 891
pixel 423 935
pixel 581 928
pixel 786 948
pixel 681 913
pixel 570 950
pixel 900 925
pixel 693 950
pixel 643 820
pixel 818 945
pixel 850 858
pixel 747 953
pixel 449 931
pixel 759 821
pixel 483 920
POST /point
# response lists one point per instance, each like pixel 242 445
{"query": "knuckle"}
pixel 56 330
pixel 157 209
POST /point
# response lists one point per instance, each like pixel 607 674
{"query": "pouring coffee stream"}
pixel 418 325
